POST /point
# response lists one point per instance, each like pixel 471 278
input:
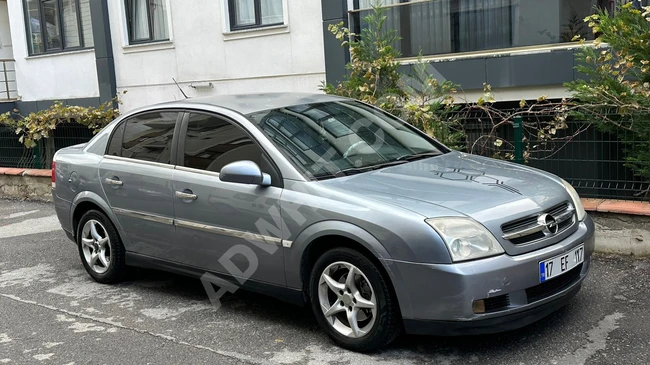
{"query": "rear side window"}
pixel 115 147
pixel 148 137
pixel 212 142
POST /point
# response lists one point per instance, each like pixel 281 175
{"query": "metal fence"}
pixel 15 154
pixel 593 161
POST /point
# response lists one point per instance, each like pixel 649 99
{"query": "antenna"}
pixel 179 88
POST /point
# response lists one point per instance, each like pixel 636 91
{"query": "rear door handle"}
pixel 186 195
pixel 114 182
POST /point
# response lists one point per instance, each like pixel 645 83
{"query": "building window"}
pixel 58 25
pixel 147 21
pixel 247 14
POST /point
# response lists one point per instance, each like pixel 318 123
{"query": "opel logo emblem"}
pixel 549 223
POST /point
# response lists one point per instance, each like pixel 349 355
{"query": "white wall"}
pixel 49 77
pixel 5 35
pixel 280 59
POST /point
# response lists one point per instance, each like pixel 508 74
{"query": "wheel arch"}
pixel 86 201
pixel 322 236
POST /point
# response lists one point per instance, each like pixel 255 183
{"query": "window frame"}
pixel 232 19
pixel 41 20
pixel 173 153
pixel 129 31
pixel 276 175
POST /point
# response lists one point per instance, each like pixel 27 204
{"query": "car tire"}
pixel 374 329
pixel 100 248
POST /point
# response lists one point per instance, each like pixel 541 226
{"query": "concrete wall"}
pixel 5 34
pixel 622 234
pixel 49 77
pixel 25 184
pixel 201 49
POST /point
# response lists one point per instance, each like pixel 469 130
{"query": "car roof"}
pixel 251 103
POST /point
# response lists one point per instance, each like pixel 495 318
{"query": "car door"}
pixel 228 228
pixel 136 175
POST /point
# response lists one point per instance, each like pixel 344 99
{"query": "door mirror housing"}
pixel 244 172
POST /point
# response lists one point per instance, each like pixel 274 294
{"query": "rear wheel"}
pixel 352 301
pixel 100 248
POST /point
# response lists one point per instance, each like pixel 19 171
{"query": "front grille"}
pixel 553 286
pixel 531 222
pixel 496 304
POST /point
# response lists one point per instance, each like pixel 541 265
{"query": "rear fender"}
pixel 88 196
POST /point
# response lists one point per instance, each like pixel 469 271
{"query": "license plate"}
pixel 558 265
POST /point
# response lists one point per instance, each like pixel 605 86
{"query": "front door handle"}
pixel 186 195
pixel 113 181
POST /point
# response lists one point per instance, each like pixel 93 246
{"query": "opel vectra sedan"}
pixel 328 202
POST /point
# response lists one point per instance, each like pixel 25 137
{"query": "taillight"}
pixel 53 174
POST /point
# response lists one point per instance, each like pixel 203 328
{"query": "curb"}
pixel 8 171
pixel 617 206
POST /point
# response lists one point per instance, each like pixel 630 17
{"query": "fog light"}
pixel 478 306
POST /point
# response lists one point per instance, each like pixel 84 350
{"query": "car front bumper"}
pixel 441 296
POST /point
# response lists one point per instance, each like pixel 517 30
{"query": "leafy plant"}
pixel 35 129
pixel 616 92
pixel 376 76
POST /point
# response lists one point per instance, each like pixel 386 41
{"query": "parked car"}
pixel 325 201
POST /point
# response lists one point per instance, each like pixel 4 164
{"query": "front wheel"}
pixel 352 301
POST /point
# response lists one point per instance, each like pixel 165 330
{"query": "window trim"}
pixel 127 32
pixel 63 48
pixel 180 145
pixel 173 152
pixel 229 18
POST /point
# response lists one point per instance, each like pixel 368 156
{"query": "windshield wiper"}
pixel 418 156
pixel 358 170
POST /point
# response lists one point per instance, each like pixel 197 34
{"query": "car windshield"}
pixel 341 138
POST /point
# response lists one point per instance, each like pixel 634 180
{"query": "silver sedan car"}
pixel 327 202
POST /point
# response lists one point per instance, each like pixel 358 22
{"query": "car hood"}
pixel 455 183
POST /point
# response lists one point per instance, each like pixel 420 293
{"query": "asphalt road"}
pixel 51 312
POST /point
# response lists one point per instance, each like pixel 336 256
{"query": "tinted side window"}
pixel 115 147
pixel 212 142
pixel 148 137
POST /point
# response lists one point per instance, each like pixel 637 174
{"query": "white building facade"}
pixel 277 47
pixel 90 50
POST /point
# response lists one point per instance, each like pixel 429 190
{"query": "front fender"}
pixel 294 256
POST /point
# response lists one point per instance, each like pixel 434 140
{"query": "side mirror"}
pixel 244 172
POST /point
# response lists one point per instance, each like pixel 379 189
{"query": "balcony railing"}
pixel 8 87
pixel 453 26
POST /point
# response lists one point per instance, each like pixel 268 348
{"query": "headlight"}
pixel 466 238
pixel 580 209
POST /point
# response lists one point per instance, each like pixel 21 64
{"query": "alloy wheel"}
pixel 347 299
pixel 96 246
